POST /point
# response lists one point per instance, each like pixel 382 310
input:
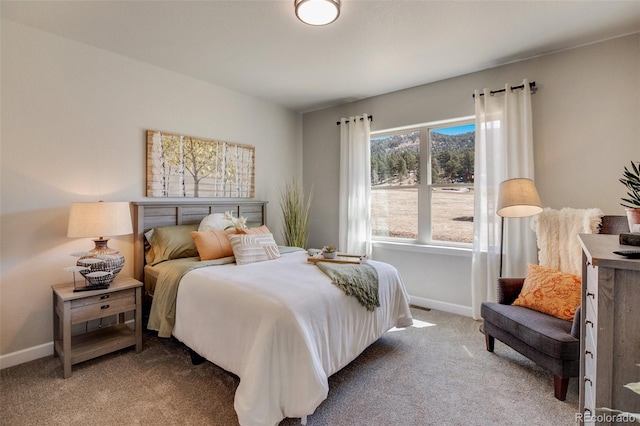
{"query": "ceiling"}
pixel 259 47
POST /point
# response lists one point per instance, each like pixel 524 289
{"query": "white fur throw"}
pixel 557 235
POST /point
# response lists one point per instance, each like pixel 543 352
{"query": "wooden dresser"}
pixel 610 332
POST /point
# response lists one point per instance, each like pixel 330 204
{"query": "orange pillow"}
pixel 259 230
pixel 550 291
pixel 213 244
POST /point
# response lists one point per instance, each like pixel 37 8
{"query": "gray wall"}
pixel 586 128
pixel 73 129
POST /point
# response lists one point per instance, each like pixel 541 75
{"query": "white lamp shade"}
pixel 99 219
pixel 518 198
pixel 317 12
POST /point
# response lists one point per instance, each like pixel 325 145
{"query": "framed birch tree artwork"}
pixel 187 166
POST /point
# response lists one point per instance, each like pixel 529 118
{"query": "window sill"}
pixel 424 248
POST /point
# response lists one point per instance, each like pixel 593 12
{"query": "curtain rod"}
pixel 532 87
pixel 361 118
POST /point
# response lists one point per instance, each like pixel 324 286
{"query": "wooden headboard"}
pixel 150 214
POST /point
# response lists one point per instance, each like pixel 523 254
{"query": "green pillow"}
pixel 171 242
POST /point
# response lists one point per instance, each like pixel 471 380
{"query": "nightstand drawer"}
pixel 104 308
pixel 104 298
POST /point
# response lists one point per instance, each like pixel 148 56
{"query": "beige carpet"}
pixel 435 373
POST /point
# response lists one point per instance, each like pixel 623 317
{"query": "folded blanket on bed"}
pixel 162 316
pixel 359 281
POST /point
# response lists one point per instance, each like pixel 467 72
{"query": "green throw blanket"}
pixel 357 280
pixel 162 317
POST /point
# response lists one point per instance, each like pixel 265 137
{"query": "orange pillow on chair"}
pixel 213 244
pixel 550 291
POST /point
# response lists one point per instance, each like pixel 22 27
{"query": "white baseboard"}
pixel 46 349
pixel 32 353
pixel 26 355
pixel 442 306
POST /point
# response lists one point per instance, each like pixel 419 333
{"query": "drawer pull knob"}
pixel 589 322
pixel 592 295
pixel 104 307
pixel 105 296
pixel 589 353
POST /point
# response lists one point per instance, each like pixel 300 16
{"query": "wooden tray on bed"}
pixel 341 258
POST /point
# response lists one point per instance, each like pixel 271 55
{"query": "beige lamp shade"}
pixel 99 219
pixel 102 263
pixel 518 198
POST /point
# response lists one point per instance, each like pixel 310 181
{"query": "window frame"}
pixel 425 187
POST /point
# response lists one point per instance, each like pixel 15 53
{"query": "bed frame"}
pixel 150 214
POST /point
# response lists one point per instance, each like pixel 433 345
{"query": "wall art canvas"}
pixel 187 166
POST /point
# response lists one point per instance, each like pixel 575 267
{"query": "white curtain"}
pixel 504 150
pixel 355 191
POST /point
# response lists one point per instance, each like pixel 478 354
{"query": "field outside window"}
pixel 406 207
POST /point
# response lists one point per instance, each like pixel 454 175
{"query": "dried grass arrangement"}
pixel 295 214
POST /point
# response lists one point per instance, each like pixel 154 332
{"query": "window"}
pixel 436 209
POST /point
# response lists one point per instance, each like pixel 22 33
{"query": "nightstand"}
pixel 69 308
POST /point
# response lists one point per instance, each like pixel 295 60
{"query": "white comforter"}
pixel 282 328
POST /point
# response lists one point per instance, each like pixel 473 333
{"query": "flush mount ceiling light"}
pixel 317 12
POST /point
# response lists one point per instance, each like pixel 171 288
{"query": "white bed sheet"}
pixel 282 328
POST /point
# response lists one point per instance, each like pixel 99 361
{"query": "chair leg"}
pixel 560 387
pixel 489 341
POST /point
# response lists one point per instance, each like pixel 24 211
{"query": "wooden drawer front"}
pixel 589 402
pixel 104 298
pixel 590 354
pixel 591 318
pixel 592 285
pixel 104 309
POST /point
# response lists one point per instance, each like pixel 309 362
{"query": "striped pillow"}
pixel 248 248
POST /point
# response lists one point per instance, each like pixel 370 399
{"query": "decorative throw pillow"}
pixel 213 244
pixel 214 222
pixel 170 242
pixel 259 230
pixel 550 291
pixel 248 248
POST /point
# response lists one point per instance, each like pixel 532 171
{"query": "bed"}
pixel 280 325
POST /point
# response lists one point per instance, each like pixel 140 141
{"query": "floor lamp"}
pixel 516 198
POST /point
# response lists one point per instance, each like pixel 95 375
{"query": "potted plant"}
pixel 329 252
pixel 631 179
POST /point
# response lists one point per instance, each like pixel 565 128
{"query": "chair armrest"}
pixel 577 320
pixel 509 289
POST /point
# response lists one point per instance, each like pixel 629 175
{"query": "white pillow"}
pixel 248 248
pixel 214 222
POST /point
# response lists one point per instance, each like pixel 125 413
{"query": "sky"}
pixel 456 130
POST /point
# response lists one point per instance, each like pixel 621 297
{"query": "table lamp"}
pixel 99 219
pixel 516 198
